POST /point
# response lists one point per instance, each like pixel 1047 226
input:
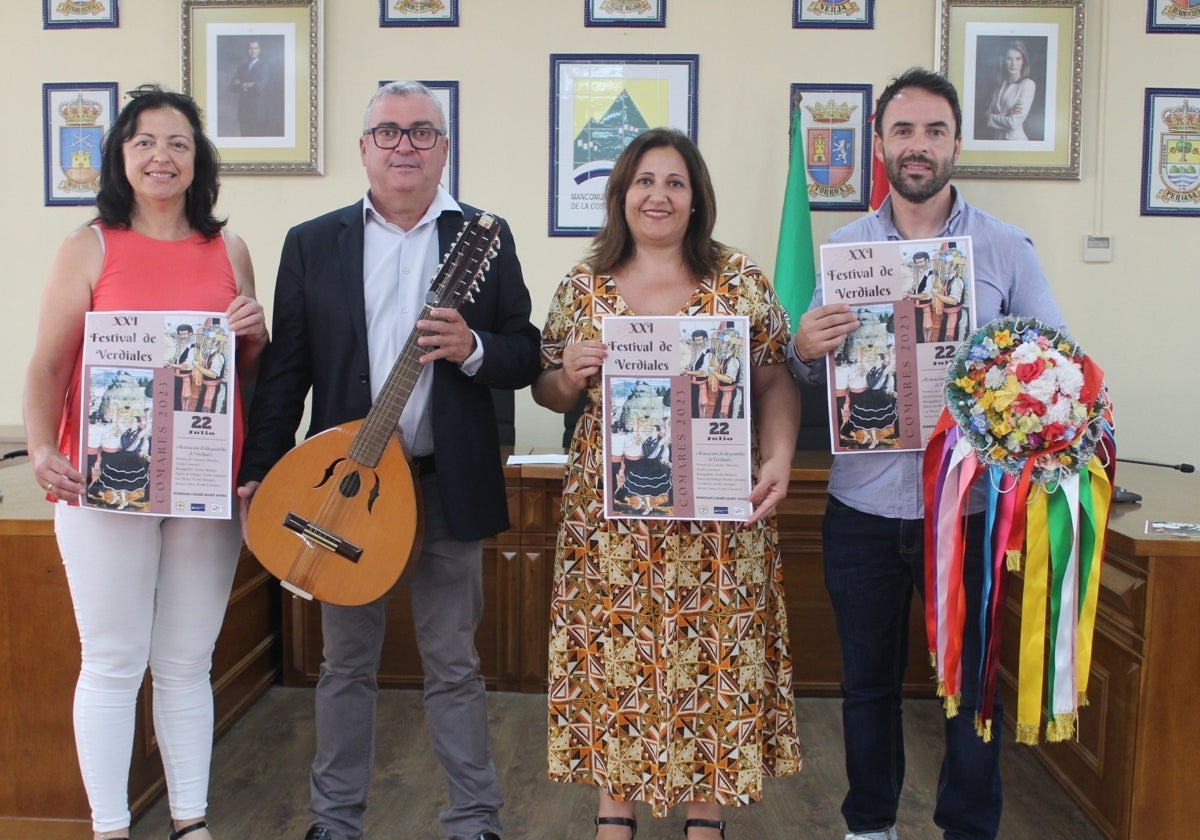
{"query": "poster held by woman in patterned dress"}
pixel 677 423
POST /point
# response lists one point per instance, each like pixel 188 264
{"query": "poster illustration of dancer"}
pixel 915 305
pixel 157 412
pixel 678 424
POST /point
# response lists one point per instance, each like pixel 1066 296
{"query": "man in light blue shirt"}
pixel 873 529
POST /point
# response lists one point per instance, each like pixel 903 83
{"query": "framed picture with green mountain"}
pixel 598 103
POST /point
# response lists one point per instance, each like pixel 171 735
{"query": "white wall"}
pixel 749 55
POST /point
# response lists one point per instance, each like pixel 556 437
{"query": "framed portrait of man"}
pixel 254 69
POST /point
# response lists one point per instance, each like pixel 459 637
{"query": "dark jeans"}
pixel 872 564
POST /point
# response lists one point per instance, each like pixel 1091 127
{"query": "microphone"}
pixel 1183 468
pixel 1122 496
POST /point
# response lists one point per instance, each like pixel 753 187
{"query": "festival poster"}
pixel 915 302
pixel 677 417
pixel 158 413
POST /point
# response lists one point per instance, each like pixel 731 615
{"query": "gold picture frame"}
pixel 1023 128
pixel 254 68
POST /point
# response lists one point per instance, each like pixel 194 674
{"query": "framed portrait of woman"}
pixel 1018 69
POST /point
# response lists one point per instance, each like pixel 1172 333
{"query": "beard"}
pixel 918 192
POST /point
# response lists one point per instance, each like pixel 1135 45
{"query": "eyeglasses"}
pixel 421 137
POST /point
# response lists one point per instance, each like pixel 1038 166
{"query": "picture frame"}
pixel 418 12
pixel 75 117
pixel 649 13
pixel 80 14
pixel 833 14
pixel 836 121
pixel 254 68
pixel 446 93
pixel 1173 16
pixel 1024 128
pixel 1171 152
pixel 598 103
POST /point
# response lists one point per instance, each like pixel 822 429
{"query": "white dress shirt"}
pixel 398 267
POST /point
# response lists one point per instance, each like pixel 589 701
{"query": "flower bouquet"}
pixel 1016 388
pixel 1026 411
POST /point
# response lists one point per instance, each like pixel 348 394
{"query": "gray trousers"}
pixel 446 589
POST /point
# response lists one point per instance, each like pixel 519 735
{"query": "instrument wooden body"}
pixel 380 506
pixel 339 516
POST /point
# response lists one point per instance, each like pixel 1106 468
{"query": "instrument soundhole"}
pixel 351 484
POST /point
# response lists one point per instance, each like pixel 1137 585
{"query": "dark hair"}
pixel 926 80
pixel 614 244
pixel 1018 46
pixel 114 202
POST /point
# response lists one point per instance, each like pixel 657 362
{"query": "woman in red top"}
pixel 147 589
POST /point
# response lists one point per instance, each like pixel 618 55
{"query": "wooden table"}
pixel 518 573
pixel 1133 767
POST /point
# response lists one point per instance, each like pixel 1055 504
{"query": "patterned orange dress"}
pixel 670 671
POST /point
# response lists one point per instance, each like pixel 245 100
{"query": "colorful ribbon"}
pixel 1060 530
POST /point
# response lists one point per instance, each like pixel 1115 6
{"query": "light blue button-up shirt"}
pixel 1008 281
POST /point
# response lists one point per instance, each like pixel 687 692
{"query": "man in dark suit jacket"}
pixel 254 87
pixel 351 284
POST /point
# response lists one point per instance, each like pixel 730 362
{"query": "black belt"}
pixel 424 465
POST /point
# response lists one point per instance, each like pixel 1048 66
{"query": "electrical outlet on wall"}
pixel 1097 248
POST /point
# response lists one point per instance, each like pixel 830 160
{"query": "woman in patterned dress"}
pixel 670 672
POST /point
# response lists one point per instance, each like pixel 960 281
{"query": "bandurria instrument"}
pixel 339 516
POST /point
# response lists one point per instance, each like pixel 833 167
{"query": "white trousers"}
pixel 147 590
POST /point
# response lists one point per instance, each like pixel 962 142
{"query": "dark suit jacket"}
pixel 254 102
pixel 319 341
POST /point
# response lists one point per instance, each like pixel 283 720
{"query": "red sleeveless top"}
pixel 144 274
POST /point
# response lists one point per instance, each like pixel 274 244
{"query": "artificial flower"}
pixel 1015 388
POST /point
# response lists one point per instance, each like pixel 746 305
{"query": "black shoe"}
pixel 719 825
pixel 187 829
pixel 318 832
pixel 625 821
